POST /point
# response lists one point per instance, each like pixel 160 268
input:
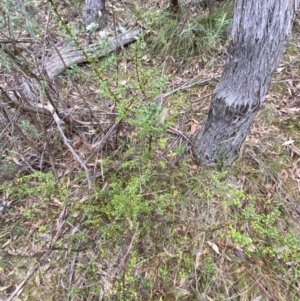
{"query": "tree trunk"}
pixel 94 12
pixel 174 6
pixel 259 32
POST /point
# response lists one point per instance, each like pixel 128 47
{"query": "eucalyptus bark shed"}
pixel 258 34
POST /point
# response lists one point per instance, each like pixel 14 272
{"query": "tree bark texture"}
pixel 258 34
pixel 94 12
pixel 70 55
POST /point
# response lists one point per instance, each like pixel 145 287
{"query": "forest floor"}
pixel 154 225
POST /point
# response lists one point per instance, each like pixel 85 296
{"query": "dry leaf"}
pixel 164 115
pixel 6 243
pixel 214 247
pixel 288 142
pixel 194 127
pixel 3 288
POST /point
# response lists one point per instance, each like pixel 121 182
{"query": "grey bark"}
pixel 259 32
pixel 29 89
pixel 94 12
pixel 70 55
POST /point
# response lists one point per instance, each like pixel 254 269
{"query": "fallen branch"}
pixel 66 142
pixel 30 89
pixel 71 55
pixel 59 62
pixel 122 263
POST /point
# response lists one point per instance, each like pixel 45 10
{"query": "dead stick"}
pixel 121 265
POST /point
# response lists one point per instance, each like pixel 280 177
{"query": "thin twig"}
pixel 19 287
pixel 102 142
pixel 177 132
pixel 20 40
pixel 186 86
pixel 262 289
pixel 66 142
pixel 74 154
pixel 28 276
pixel 121 264
pixel 276 181
pixel 72 268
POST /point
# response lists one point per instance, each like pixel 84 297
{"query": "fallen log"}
pixel 71 55
pixel 30 88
